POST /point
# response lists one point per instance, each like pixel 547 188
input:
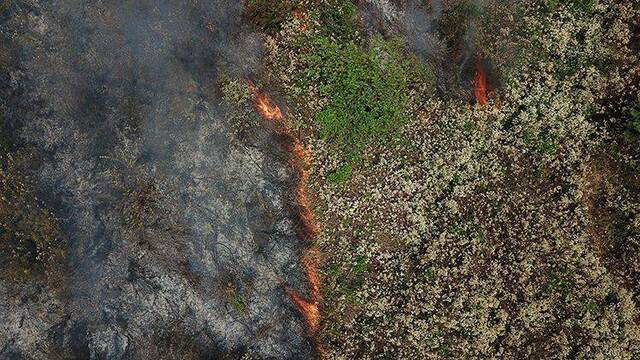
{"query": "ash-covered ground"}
pixel 177 237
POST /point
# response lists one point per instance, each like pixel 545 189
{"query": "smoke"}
pixel 436 34
pixel 179 235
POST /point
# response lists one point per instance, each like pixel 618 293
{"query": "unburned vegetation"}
pixel 492 208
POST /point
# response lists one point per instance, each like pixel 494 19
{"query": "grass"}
pixel 341 175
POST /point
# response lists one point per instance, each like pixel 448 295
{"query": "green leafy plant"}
pixel 366 88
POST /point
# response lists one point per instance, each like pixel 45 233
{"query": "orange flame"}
pixel 301 158
pixel 480 84
pixel 308 309
pixel 267 108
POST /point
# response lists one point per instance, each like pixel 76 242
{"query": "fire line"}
pixel 308 308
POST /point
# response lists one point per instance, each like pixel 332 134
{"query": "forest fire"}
pixel 268 110
pixel 480 84
pixel 482 87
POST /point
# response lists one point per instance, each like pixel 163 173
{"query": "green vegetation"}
pixel 632 133
pixel 366 88
pixel 365 83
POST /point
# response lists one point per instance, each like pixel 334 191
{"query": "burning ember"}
pixel 480 84
pixel 268 110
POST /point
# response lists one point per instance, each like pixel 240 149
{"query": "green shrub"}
pixel 367 91
pixel 269 14
pixel 341 175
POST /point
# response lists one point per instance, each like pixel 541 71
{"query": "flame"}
pixel 267 108
pixel 309 310
pixel 304 26
pixel 480 84
pixel 300 160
